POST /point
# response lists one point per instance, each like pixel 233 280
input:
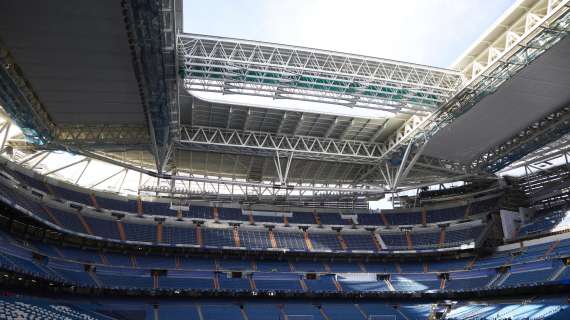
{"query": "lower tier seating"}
pixel 91 268
pixel 27 307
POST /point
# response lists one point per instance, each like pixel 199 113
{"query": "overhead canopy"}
pixel 76 57
pixel 537 90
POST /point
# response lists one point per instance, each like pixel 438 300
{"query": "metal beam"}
pixel 234 66
pixel 102 136
pixel 264 143
pixel 535 39
pixel 146 27
pixel 550 128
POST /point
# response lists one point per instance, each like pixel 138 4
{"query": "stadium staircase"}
pixel 199 311
pixel 362 312
pixel 93 277
pixel 551 248
pixel 557 273
pixel 499 279
pixel 323 313
pixel 389 285
pixel 402 314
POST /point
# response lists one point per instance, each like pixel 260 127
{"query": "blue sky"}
pixel 433 32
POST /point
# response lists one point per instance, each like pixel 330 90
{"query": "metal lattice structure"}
pixel 302 146
pixel 371 156
pixel 532 33
pixel 233 66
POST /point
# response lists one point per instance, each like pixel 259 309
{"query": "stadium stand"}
pixel 136 184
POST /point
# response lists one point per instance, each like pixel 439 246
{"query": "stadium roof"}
pixel 122 84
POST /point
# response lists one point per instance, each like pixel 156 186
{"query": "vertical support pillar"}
pixel 252 282
pixel 121 228
pixel 50 189
pixel 155 281
pixel 468 210
pixel 343 244
pixel 84 223
pixel 384 219
pixel 140 210
pixel 51 216
pixel 235 233
pixel 424 216
pixel 409 240
pixel 250 216
pixel 216 214
pixel 199 235
pixel 316 217
pixel 308 242
pixel 159 229
pixel 94 201
pixel 441 236
pixel 216 280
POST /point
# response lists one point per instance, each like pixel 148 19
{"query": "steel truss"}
pixel 551 127
pixel 20 100
pixel 299 147
pixel 556 149
pixel 547 187
pixel 234 66
pixel 520 26
pixel 102 136
pixel 537 135
pixel 268 144
pixel 223 189
pixel 215 188
pixel 547 27
pixel 148 33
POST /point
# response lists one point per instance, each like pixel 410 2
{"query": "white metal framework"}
pixel 433 97
pixel 516 40
pixel 269 144
pixel 514 31
pixel 233 66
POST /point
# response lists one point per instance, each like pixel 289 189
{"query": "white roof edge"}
pixel 508 13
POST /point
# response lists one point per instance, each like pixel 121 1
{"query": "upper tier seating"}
pixel 333 218
pixel 545 222
pixel 389 217
pixel 144 230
